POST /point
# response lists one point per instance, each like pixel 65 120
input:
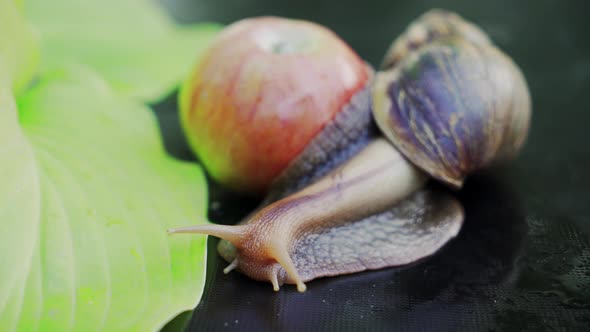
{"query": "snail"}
pixel 446 102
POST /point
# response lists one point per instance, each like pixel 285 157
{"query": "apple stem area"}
pixel 280 47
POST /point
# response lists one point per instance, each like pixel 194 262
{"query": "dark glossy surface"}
pixel 522 259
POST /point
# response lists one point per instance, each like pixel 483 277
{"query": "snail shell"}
pixel 452 105
pixel 434 25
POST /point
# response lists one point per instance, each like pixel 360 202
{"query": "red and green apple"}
pixel 262 90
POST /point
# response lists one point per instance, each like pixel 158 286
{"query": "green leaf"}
pixel 86 197
pixel 18 47
pixel 132 43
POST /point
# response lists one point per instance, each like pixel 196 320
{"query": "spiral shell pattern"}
pixel 453 102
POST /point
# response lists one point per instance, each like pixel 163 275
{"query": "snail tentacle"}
pixel 231 266
pixel 233 234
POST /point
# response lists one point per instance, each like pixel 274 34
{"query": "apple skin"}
pixel 262 90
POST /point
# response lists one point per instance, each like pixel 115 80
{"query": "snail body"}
pixel 446 102
pixel 266 242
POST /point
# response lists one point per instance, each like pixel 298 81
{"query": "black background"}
pixel 522 259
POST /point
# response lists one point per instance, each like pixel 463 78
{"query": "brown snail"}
pixel 447 102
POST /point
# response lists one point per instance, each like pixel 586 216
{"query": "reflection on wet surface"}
pixel 477 280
